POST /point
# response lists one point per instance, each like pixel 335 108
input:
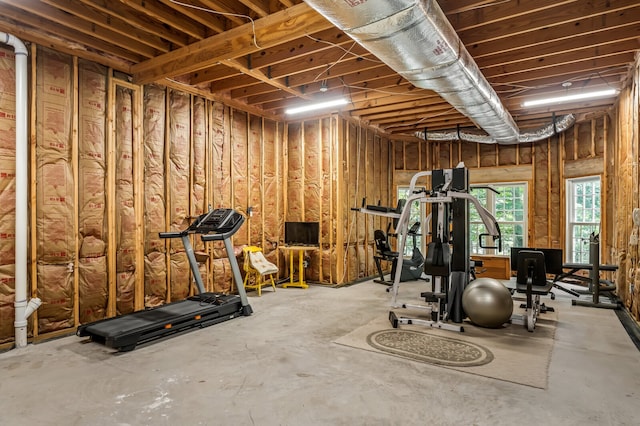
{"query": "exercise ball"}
pixel 487 302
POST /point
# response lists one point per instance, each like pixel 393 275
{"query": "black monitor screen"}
pixel 552 259
pixel 301 233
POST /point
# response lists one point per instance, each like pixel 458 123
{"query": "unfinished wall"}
pixel 333 164
pixel 114 164
pixel 625 195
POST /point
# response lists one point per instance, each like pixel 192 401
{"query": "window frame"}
pixel 491 207
pixel 570 206
pixel 424 230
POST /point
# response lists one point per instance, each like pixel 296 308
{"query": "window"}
pixel 583 216
pixel 509 207
pixel 416 215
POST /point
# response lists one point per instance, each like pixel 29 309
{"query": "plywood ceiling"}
pixel 267 55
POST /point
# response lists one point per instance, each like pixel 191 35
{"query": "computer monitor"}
pixel 552 259
pixel 301 233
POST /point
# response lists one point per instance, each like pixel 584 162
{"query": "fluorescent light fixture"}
pixel 569 98
pixel 319 105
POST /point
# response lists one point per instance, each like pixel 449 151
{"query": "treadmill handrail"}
pixel 176 234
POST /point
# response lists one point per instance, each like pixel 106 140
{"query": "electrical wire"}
pixel 364 58
pixel 216 12
pixel 335 62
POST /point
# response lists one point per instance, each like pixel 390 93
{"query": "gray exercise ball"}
pixel 487 302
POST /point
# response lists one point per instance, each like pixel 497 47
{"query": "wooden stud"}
pixel 531 196
pixel 332 172
pixel 320 159
pixel 604 199
pixel 138 194
pixel 110 196
pixel 451 155
pixel 263 240
pixel 76 191
pixel 208 184
pixel 167 184
pixel 303 163
pixel 232 185
pixel 549 187
pixel 592 149
pixel 341 174
pixel 563 202
pixel 247 201
pixel 191 199
pixel 33 186
pixel 279 151
pixel 285 172
pixel 576 133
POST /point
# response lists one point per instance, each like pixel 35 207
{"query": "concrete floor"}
pixel 280 367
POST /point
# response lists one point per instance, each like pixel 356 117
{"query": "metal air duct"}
pixel 415 39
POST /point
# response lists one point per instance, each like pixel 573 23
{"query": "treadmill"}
pixel 123 333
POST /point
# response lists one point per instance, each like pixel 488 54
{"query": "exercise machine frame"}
pixel 449 198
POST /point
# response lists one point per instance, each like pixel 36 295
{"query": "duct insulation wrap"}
pixel 416 40
pixel 559 125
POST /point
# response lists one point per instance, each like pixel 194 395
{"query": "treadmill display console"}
pixel 218 221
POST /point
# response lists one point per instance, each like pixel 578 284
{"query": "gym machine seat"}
pixel 532 280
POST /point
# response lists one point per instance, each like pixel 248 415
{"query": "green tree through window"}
pixel 583 216
pixel 509 207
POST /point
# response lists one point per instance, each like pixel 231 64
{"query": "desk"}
pixel 292 250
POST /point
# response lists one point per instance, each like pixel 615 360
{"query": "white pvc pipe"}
pixel 22 190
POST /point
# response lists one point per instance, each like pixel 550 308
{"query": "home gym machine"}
pixel 202 310
pixel 447 260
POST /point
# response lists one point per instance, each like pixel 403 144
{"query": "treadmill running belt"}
pixel 125 332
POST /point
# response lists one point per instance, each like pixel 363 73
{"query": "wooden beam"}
pixel 120 11
pixel 544 20
pixel 274 29
pixel 55 31
pixel 210 20
pixel 61 45
pixel 465 15
pixel 566 31
pixel 259 75
pixel 111 23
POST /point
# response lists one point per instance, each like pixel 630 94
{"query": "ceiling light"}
pixel 318 105
pixel 324 86
pixel 569 98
